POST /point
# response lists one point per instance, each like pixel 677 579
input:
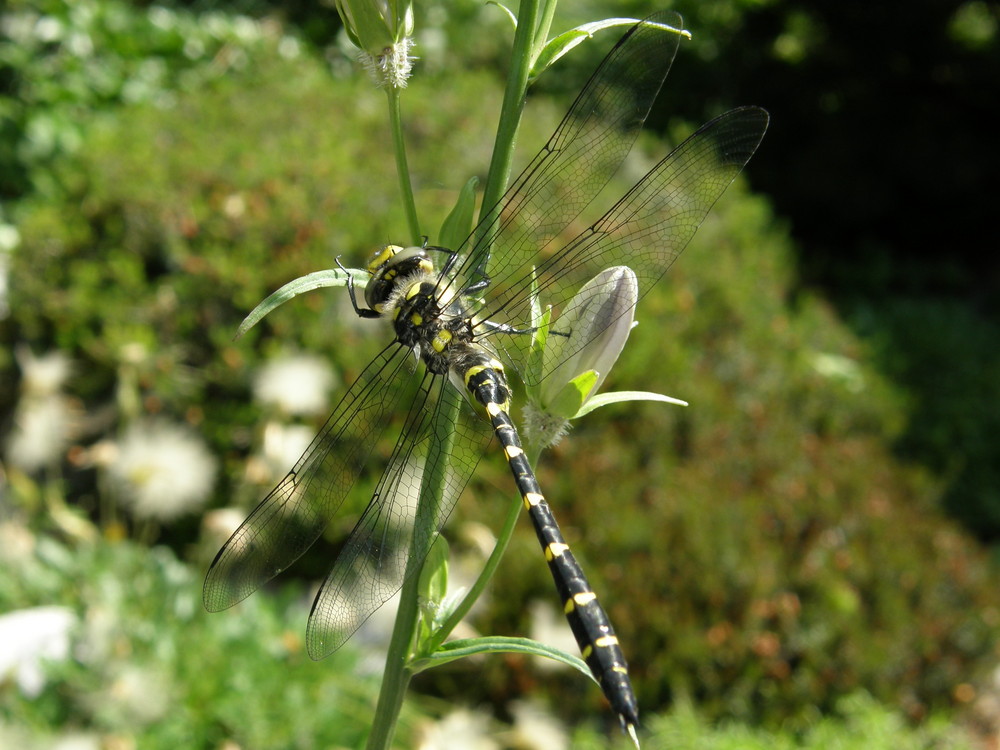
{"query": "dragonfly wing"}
pixel 376 558
pixel 583 153
pixel 646 230
pixel 293 515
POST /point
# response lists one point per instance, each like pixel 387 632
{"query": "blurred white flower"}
pixel 283 444
pixel 162 470
pixel 536 729
pixel 9 240
pixel 100 636
pixel 296 384
pixel 139 695
pixel 17 543
pixel 839 367
pixel 460 730
pixel 44 418
pixel 76 741
pixel 550 627
pixel 48 29
pixel 29 638
pixel 220 524
pixel 289 48
pixel 40 433
pixel 43 375
pixel 234 206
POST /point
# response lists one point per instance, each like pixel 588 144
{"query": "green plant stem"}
pixel 396 678
pixel 432 488
pixel 397 673
pixel 512 106
pixel 402 167
pixel 542 31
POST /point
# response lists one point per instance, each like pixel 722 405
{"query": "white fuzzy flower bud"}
pixel 382 30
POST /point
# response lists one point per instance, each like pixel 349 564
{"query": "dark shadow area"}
pixel 882 152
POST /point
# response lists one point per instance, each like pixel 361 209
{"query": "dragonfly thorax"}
pixel 405 288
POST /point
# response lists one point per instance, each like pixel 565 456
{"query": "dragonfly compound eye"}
pixel 388 265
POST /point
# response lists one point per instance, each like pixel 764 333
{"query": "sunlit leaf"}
pixel 465 647
pixel 329 277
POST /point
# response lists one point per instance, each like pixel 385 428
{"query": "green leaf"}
pixel 431 591
pixel 614 397
pixel 560 45
pixel 458 224
pixel 329 277
pixel 505 9
pixel 572 397
pixel 539 335
pixel 365 26
pixel 462 648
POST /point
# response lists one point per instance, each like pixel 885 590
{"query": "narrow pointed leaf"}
pixel 615 397
pixel 458 224
pixel 465 647
pixel 329 277
pixel 560 45
pixel 510 14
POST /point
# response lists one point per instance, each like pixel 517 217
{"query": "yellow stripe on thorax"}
pixel 441 340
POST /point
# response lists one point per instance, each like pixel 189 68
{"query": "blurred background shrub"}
pixel 773 553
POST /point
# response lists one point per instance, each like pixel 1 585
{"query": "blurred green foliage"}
pixel 862 724
pixel 762 549
pixel 943 353
pixel 881 153
pixel 151 665
pixel 762 552
pixel 62 61
pixel 150 668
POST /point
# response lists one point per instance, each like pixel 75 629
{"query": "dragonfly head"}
pixel 388 265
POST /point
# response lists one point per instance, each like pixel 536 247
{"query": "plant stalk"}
pixel 402 167
pixel 510 110
pixel 397 673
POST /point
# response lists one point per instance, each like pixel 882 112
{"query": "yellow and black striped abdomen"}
pixel 485 380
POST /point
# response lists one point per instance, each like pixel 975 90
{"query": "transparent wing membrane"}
pixel 294 514
pixel 373 564
pixel 586 149
pixel 646 230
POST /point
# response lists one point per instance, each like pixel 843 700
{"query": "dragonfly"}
pixel 461 319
